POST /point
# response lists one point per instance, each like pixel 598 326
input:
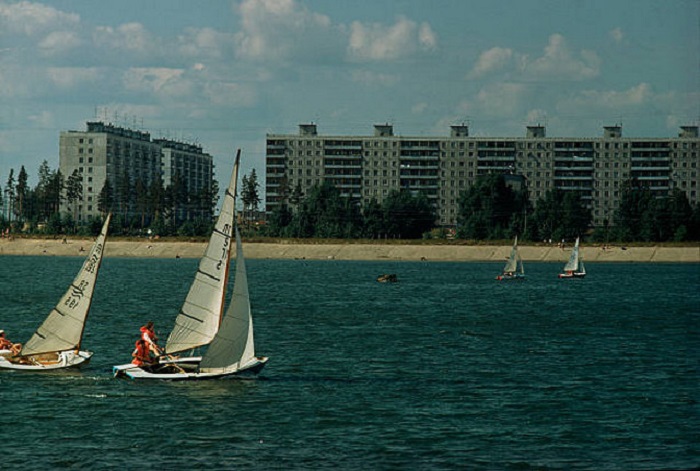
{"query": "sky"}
pixel 223 73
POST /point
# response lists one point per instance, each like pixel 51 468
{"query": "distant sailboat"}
pixel 56 344
pixel 202 322
pixel 514 269
pixel 574 268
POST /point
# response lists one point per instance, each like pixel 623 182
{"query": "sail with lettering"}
pixel 200 315
pixel 57 342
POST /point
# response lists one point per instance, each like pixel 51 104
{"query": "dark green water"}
pixel 447 369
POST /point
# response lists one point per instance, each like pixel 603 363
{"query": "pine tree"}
pixel 105 200
pixel 10 194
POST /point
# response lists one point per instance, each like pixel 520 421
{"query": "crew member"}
pixel 6 344
pixel 142 354
pixel 148 335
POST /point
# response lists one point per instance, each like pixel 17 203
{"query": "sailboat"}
pixel 574 268
pixel 202 322
pixel 56 344
pixel 514 269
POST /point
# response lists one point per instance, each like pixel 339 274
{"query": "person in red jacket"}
pixel 142 354
pixel 148 335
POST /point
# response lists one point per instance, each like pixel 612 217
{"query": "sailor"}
pixel 148 335
pixel 6 344
pixel 142 354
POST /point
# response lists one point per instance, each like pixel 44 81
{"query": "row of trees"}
pixel 136 205
pixel 324 213
pixel 489 210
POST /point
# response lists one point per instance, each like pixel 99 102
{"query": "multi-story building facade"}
pixel 104 152
pixel 366 167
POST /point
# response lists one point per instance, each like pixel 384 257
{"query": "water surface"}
pixel 445 369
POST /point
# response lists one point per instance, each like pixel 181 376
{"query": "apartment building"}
pixel 106 152
pixel 366 167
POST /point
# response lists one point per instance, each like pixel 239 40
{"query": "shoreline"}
pixel 353 251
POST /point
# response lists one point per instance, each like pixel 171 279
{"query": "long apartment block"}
pixel 366 167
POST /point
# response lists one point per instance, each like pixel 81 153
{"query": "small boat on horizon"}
pixel 514 269
pixel 574 268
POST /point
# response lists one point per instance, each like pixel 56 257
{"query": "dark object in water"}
pixel 387 278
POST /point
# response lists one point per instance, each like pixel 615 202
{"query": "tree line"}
pixel 489 210
pixel 137 206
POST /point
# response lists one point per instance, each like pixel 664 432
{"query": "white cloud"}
pixel 612 99
pixel 204 42
pixel 379 42
pixel 501 99
pixel 132 37
pixel 494 59
pixel 558 63
pixel 278 29
pixel 536 116
pixel 69 77
pixel 59 42
pixel 157 80
pixel 34 18
pixel 44 119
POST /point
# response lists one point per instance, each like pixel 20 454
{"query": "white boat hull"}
pixel 65 360
pixel 135 372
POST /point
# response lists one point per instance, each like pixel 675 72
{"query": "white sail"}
pixel 512 263
pixel 233 346
pixel 201 312
pixel 572 264
pixel 63 328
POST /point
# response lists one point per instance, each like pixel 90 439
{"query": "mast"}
pixel 234 177
pixel 103 234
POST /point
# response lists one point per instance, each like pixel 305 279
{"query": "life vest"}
pixel 148 335
pixel 141 354
pixel 5 344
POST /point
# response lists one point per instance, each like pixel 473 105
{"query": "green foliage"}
pixel 324 213
pixel 490 209
pixel 559 215
pixel 642 217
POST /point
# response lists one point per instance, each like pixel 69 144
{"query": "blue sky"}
pixel 224 73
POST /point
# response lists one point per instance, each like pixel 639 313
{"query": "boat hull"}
pixel 132 371
pixel 510 277
pixel 572 275
pixel 65 360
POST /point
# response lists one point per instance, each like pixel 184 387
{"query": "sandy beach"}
pixel 353 251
